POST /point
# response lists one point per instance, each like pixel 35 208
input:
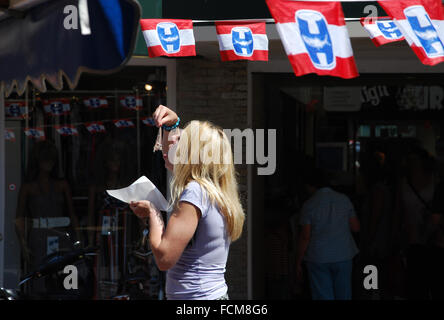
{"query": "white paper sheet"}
pixel 141 189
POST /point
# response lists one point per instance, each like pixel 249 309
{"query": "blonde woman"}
pixel 206 212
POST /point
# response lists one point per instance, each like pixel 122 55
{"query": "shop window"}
pixel 64 149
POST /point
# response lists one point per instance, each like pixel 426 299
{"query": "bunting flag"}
pixel 67 130
pixel 124 123
pixel 422 24
pixel 315 37
pixel 57 107
pixel 95 127
pixel 16 109
pixel 149 121
pixel 242 41
pixel 171 38
pixel 131 102
pixel 35 133
pixel 9 135
pixel 382 30
pixel 95 102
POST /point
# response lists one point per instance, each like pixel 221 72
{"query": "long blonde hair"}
pixel 204 155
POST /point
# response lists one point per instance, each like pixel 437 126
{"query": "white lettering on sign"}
pixel 436 98
pixel 374 94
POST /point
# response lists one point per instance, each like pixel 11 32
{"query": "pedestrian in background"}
pixel 326 242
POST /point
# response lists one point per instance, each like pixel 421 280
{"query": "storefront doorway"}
pixel 336 125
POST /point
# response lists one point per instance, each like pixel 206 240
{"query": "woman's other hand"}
pixel 164 116
pixel 143 209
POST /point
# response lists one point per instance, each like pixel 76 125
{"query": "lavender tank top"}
pixel 199 274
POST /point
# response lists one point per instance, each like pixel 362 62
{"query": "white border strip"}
pixel 85 28
pixel 2 184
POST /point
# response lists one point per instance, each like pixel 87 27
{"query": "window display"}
pixel 72 146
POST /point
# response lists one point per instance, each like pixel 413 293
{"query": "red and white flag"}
pixel 124 123
pixel 57 107
pixel 422 24
pixel 149 121
pixel 169 37
pixel 315 37
pixel 382 30
pixel 95 127
pixel 95 102
pixel 9 135
pixel 67 130
pixel 16 109
pixel 242 41
pixel 35 133
pixel 131 102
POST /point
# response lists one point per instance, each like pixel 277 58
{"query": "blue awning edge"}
pixel 39 47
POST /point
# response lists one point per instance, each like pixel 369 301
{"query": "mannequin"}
pixel 45 213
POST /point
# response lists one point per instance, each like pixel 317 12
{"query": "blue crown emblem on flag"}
pixel 313 28
pixel 169 36
pixel 34 133
pixel 123 123
pixel 130 102
pixel 95 127
pixel 14 110
pixel 56 107
pixel 66 131
pixel 243 43
pixel 389 30
pixel 425 31
pixel 94 102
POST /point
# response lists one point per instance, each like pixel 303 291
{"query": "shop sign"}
pixel 384 97
pixel 342 99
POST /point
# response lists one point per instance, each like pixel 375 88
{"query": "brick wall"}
pixel 216 91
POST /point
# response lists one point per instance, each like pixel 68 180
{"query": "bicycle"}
pixel 141 283
pixel 51 265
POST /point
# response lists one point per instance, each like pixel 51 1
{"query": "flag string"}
pixel 75 124
pixel 266 20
